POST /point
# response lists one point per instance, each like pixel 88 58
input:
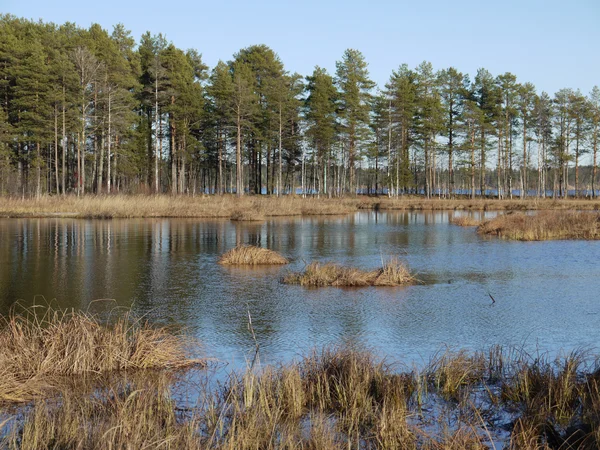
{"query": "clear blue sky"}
pixel 551 43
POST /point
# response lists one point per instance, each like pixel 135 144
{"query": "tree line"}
pixel 88 111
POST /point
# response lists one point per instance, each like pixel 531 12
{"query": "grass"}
pixel 332 398
pixel 255 207
pixel 392 273
pixel 543 226
pixel 465 221
pixel 247 215
pixel 251 255
pixel 40 345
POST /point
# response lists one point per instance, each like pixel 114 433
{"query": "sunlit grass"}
pixel 392 273
pixel 251 255
pixel 38 345
pixel 546 225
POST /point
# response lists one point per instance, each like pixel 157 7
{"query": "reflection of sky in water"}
pixel 546 292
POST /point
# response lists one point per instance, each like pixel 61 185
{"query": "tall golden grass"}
pixel 39 345
pixel 251 255
pixel 392 273
pixel 334 398
pixel 465 221
pixel 545 225
pixel 227 206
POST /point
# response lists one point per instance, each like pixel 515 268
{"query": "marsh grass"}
pixel 251 255
pixel 228 206
pixel 392 273
pixel 247 215
pixel 41 345
pixel 465 221
pixel 333 398
pixel 545 225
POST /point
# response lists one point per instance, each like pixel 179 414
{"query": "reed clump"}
pixel 252 255
pixel 547 225
pixel 392 273
pixel 40 345
pixel 465 221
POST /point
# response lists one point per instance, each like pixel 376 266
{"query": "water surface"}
pixel 546 292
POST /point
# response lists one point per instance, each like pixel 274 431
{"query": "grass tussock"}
pixel 251 255
pixel 465 221
pixel 392 273
pixel 334 398
pixel 38 346
pixel 543 226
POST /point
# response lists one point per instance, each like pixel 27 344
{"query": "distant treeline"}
pixel 85 110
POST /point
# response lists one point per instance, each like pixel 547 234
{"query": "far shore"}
pixel 259 207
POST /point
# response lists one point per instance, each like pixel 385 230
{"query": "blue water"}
pixel 546 292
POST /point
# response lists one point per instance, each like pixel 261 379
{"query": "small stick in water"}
pixel 493 299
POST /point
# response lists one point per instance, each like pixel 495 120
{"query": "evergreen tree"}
pixel 355 87
pixel 594 117
pixel 320 113
pixel 452 90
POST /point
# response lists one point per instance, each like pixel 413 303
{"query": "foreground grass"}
pixel 251 255
pixel 543 226
pixel 256 207
pixel 392 273
pixel 336 398
pixel 39 346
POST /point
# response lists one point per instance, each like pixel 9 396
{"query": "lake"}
pixel 547 293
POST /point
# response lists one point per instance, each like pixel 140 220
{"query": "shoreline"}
pixel 228 207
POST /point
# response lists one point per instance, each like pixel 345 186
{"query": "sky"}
pixel 552 43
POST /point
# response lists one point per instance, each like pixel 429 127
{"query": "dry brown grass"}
pixel 204 206
pixel 129 206
pixel 251 255
pixel 412 203
pixel 465 221
pixel 38 346
pixel 334 398
pixel 545 225
pixel 247 215
pixel 392 273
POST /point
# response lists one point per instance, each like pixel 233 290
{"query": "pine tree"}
pixel 430 119
pixel 401 91
pixel 594 117
pixel 320 113
pixel 220 110
pixel 354 84
pixel 525 103
pixel 452 90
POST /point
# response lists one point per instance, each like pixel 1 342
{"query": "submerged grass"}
pixel 392 273
pixel 251 255
pixel 40 345
pixel 545 225
pixel 334 398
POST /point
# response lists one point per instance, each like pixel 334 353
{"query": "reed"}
pixel 40 345
pixel 251 255
pixel 542 226
pixel 392 273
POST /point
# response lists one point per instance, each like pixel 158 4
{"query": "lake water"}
pixel 547 293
